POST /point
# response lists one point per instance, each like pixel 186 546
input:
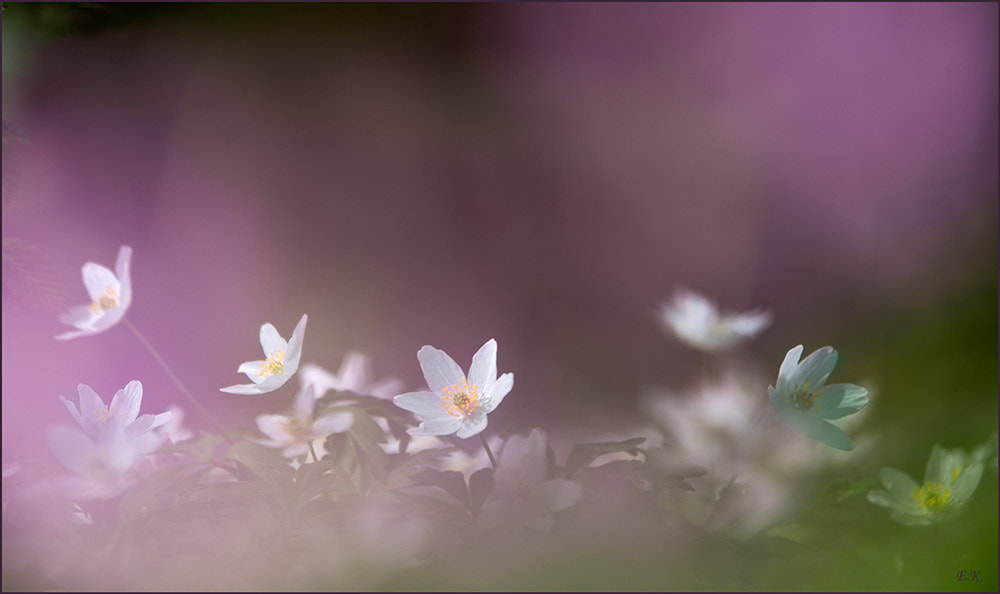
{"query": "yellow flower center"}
pixel 296 428
pixel 461 399
pixel 273 365
pixel 104 414
pixel 803 398
pixel 106 300
pixel 931 497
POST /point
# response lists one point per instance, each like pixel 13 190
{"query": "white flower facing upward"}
pixel 296 430
pixel 104 422
pixel 456 403
pixel 280 364
pixel 696 321
pixel 114 441
pixel 806 403
pixel 523 494
pixel 110 294
pixel 950 479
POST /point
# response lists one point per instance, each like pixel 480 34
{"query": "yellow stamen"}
pixel 803 398
pixel 273 365
pixel 104 415
pixel 461 399
pixel 931 497
pixel 104 302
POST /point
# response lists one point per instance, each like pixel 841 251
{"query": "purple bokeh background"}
pixel 541 174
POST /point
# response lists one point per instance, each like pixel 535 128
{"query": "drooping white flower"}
pixel 950 479
pixel 110 294
pixel 697 321
pixel 296 430
pixel 103 422
pixel 456 403
pixel 354 376
pixel 280 364
pixel 806 403
pixel 523 493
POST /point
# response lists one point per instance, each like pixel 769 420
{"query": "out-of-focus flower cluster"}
pixel 362 478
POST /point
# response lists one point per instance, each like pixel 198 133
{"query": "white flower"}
pixel 281 363
pixel 354 376
pixel 110 294
pixel 696 321
pixel 104 423
pixel 295 431
pixel 522 494
pixel 101 467
pixel 950 479
pixel 456 403
pixel 806 404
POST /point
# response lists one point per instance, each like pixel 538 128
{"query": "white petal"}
pixel 273 426
pixel 74 334
pixel 483 371
pixel 241 389
pixel 560 494
pixel 270 340
pixel 71 447
pixel 472 426
pixel 90 403
pixel 80 316
pixel 441 426
pixel 815 368
pixel 440 370
pixel 750 324
pixel 424 404
pixel 521 459
pixel 126 403
pixel 787 371
pixel 123 270
pixel 354 372
pixel 72 411
pixel 252 371
pixel 294 352
pixel 332 423
pixel 272 383
pixel 305 402
pixel 498 391
pixel 97 278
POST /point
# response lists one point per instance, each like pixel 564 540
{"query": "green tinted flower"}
pixel 806 403
pixel 950 479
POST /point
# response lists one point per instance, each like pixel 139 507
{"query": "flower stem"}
pixel 176 380
pixel 313 451
pixel 489 452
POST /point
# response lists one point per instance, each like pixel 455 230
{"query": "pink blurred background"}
pixel 541 174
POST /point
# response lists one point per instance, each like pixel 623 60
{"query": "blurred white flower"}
pixel 281 363
pixel 354 376
pixel 755 463
pixel 110 294
pixel 807 404
pixel 950 479
pixel 104 422
pixel 101 468
pixel 296 430
pixel 696 321
pixel 456 404
pixel 174 429
pixel 523 493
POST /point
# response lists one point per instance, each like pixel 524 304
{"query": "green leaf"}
pixel 450 481
pixel 480 486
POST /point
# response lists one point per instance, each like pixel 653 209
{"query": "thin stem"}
pixel 489 452
pixel 312 451
pixel 176 380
